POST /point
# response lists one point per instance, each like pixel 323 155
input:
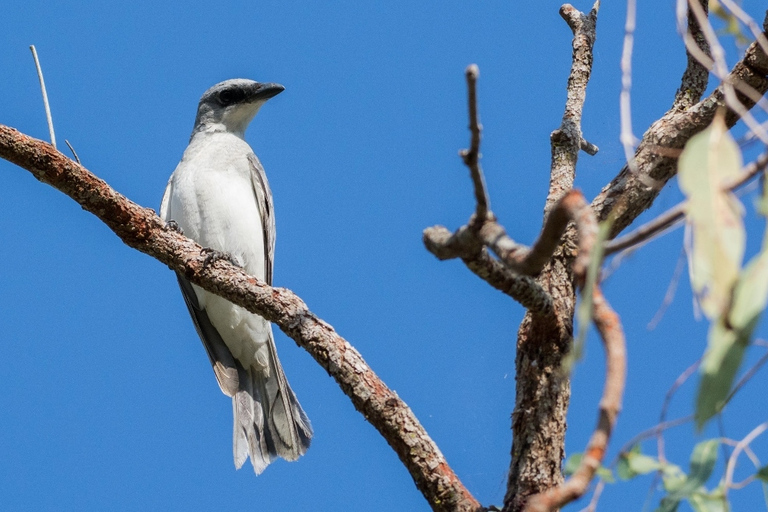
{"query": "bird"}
pixel 219 196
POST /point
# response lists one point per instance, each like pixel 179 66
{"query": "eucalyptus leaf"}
pixel 728 340
pixel 707 161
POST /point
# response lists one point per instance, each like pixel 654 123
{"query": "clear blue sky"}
pixel 108 400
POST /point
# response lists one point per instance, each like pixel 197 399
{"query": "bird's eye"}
pixel 230 96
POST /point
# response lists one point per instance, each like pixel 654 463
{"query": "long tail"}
pixel 269 422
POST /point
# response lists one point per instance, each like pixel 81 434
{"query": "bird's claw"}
pixel 212 256
pixel 172 225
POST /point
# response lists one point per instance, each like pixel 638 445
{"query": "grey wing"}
pixel 264 202
pixel 224 365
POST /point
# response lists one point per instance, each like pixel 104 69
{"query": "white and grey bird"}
pixel 219 196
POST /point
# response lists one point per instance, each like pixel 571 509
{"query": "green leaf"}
pixel 762 474
pixel 572 463
pixel 673 477
pixel 728 340
pixel 634 463
pixel 606 475
pixel 708 502
pixel 724 354
pixel 708 160
pixel 703 461
pixel 574 460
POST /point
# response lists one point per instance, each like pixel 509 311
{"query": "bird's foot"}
pixel 212 256
pixel 172 225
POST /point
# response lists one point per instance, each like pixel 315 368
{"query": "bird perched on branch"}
pixel 219 196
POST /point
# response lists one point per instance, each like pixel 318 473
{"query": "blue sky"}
pixel 108 400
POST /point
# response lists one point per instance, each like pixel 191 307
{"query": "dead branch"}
pixel 143 230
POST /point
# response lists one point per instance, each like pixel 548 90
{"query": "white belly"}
pixel 211 198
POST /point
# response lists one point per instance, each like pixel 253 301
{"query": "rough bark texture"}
pixel 142 229
pixel 631 193
pixel 543 392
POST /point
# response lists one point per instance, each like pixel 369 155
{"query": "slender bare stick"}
pixel 74 153
pixel 628 139
pixel 471 156
pixel 143 230
pixel 731 467
pixel 48 116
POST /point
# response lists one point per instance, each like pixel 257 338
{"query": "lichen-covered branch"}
pixel 143 230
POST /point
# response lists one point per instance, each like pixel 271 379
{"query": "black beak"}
pixel 266 91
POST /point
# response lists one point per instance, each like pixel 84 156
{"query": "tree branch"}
pixel 677 212
pixel 471 156
pixel 143 230
pixel 567 140
pixel 608 325
pixel 542 389
pixel 631 193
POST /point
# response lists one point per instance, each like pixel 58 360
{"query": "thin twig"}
pixel 628 139
pixel 566 140
pixel 745 378
pixel 669 295
pixel 471 156
pixel 74 153
pixel 676 214
pixel 48 116
pixel 731 467
pixel 679 381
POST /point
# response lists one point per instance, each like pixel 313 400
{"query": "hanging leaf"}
pixel 708 160
pixel 714 501
pixel 729 339
pixel 634 463
pixel 703 461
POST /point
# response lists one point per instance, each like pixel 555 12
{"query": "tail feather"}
pixel 269 422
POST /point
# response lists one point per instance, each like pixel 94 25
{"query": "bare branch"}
pixel 629 194
pixel 718 66
pixel 588 147
pixel 143 230
pixel 542 392
pixel 471 156
pixel 696 75
pixel 462 244
pixel 520 259
pixel 567 140
pixel 608 325
pixel 744 443
pixel 677 212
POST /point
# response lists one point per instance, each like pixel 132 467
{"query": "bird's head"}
pixel 230 105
